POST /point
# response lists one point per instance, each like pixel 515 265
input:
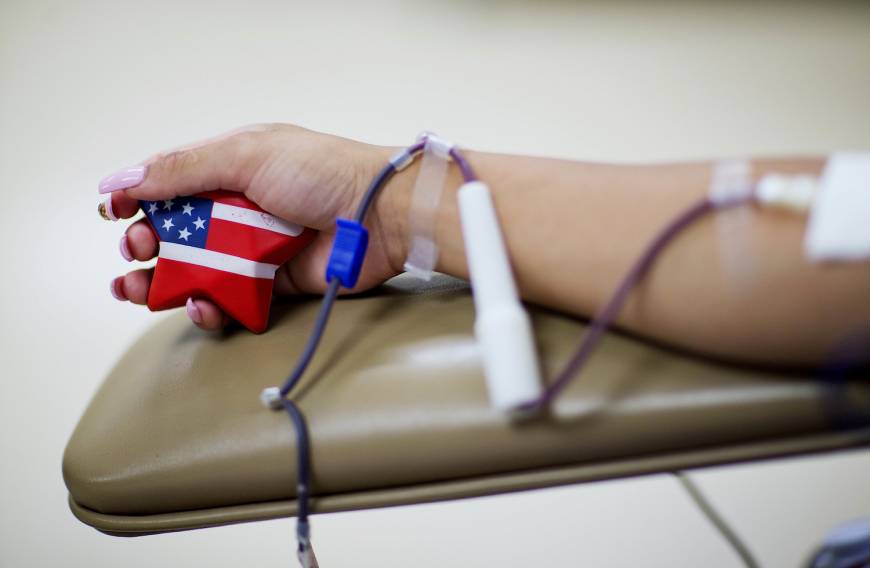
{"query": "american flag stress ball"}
pixel 220 246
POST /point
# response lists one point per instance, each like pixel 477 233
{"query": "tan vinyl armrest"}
pixel 176 438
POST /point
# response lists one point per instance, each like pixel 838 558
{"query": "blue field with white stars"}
pixel 183 220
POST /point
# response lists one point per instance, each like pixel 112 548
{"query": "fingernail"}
pixel 125 249
pixel 117 289
pixel 123 179
pixel 105 210
pixel 193 312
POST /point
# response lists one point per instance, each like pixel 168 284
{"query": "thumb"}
pixel 228 163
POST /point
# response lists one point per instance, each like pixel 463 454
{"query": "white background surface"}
pixel 88 87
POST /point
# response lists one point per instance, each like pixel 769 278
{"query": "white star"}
pixel 187 209
pixel 152 208
pixel 168 204
pixel 167 224
pixel 200 223
pixel 183 233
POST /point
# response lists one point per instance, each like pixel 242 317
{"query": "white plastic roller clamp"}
pixel 502 326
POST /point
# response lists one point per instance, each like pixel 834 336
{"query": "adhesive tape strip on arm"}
pixel 502 326
pixel 423 252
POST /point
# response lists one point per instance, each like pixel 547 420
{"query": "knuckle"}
pixel 174 163
pixel 243 142
pixel 267 127
pixel 244 153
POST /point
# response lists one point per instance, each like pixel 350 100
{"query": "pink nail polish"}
pixel 117 289
pixel 123 179
pixel 125 249
pixel 193 312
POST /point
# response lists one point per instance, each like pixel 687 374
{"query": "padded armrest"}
pixel 176 438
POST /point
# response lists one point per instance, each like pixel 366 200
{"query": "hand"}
pixel 296 174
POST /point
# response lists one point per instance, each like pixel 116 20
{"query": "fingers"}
pixel 138 242
pixel 118 206
pixel 284 284
pixel 304 273
pixel 205 314
pixel 134 286
pixel 228 162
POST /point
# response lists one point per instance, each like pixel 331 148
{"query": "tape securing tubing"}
pixel 422 250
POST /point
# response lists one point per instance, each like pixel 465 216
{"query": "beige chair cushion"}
pixel 176 438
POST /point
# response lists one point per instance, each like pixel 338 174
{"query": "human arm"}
pixel 572 231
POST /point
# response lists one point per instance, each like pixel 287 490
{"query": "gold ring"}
pixel 101 209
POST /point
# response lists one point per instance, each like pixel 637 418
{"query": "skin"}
pixel 734 286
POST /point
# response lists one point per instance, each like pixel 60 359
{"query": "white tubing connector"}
pixel 793 193
pixel 502 326
pixel 271 398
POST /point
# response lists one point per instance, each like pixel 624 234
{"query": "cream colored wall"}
pixel 91 86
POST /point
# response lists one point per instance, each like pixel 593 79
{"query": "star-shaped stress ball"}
pixel 220 246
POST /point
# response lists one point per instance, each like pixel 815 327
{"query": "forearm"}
pixel 573 230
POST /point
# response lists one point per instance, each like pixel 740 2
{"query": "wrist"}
pixel 390 216
pixel 391 207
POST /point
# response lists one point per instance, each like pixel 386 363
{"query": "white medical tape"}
pixel 731 184
pixel 422 250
